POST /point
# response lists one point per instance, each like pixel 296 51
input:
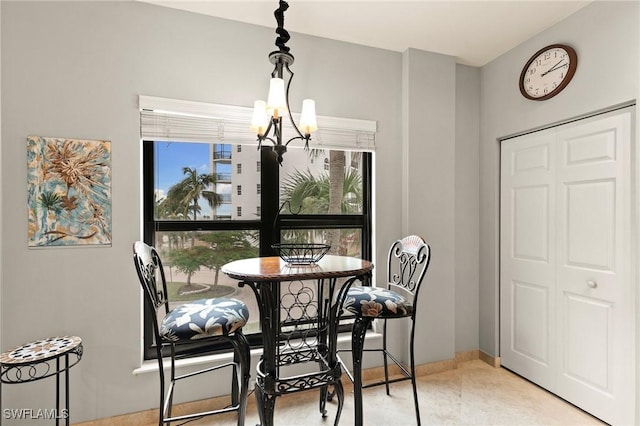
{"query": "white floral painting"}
pixel 69 192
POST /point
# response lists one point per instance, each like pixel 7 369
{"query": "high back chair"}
pixel 407 264
pixel 219 319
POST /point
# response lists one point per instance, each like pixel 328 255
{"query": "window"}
pixel 258 166
pixel 196 237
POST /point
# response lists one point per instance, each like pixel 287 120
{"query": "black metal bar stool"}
pixel 407 263
pixel 217 319
pixel 38 360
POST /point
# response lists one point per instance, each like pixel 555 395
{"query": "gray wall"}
pixel 467 204
pixel 606 37
pixel 75 70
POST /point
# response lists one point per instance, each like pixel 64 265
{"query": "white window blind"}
pixel 163 119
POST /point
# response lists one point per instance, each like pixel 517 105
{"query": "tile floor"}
pixel 473 394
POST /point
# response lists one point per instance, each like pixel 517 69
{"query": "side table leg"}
pixel 57 391
pixel 66 392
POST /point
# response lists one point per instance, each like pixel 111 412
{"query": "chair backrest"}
pixel 151 275
pixel 407 264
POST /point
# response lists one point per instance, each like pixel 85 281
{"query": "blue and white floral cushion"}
pixel 377 302
pixel 204 318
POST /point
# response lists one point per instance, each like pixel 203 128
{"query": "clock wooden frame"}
pixel 573 65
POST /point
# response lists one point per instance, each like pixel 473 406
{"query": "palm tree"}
pixel 185 195
pixel 338 192
pixel 336 195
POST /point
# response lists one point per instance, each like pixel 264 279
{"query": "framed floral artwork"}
pixel 68 192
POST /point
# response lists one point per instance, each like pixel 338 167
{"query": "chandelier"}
pixel 267 116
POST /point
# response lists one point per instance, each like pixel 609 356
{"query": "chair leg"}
pixel 172 383
pixel 413 374
pixel 161 407
pixel 339 392
pixel 384 356
pixel 415 396
pixel 357 345
pixel 242 356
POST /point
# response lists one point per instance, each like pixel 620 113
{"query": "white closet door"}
pixel 567 316
pixel 527 261
pixel 595 346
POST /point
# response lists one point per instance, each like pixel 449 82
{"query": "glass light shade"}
pixel 277 100
pixel 260 118
pixel 308 122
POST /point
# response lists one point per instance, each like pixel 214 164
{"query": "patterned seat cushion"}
pixel 204 318
pixel 377 302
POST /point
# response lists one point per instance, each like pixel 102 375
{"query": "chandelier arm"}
pixel 294 138
pixel 293 123
pixel 268 129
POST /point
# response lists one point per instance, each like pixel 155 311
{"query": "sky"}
pixel 171 157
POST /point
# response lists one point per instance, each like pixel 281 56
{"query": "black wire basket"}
pixel 301 253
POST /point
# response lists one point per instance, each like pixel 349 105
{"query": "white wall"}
pixel 606 37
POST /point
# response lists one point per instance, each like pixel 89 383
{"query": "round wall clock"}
pixel 548 71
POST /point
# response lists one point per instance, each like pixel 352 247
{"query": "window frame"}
pixel 269 207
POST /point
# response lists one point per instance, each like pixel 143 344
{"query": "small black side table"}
pixel 38 360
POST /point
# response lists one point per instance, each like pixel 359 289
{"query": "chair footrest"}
pixel 202 414
pixel 394 380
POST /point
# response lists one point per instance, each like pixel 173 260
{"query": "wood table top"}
pixel 273 268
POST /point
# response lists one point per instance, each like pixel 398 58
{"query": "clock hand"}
pixel 553 68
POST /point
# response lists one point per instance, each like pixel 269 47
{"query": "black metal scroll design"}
pixel 299 327
pixel 411 265
pixel 37 370
pixel 305 382
pixel 283 35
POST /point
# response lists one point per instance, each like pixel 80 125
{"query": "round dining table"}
pixel 299 324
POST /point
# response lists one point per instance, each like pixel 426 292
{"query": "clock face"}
pixel 548 72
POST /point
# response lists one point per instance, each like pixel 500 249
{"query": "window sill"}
pixel 151 365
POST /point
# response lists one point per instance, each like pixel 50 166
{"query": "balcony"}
pixel 223 177
pixel 222 155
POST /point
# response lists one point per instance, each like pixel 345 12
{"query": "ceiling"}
pixel 474 31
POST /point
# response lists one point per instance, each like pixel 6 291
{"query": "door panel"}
pixel 530 312
pixel 567 314
pixel 588 326
pixel 590 219
pixel 593 267
pixel 528 256
pixel 531 223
